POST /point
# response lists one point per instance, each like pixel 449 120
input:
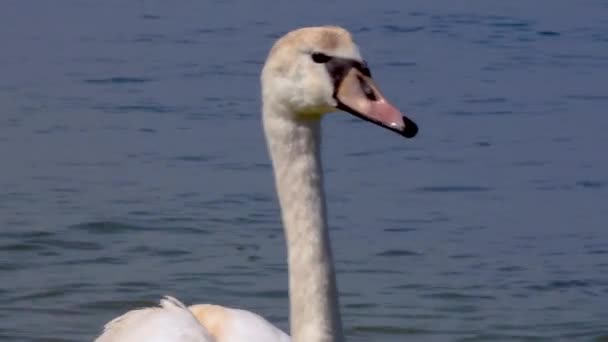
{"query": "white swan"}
pixel 308 72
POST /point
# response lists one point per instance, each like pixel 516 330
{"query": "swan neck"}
pixel 294 147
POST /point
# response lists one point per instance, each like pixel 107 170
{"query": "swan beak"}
pixel 359 95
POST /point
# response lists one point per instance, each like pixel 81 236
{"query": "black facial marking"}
pixel 338 67
pixel 362 67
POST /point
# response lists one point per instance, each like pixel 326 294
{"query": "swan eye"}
pixel 319 57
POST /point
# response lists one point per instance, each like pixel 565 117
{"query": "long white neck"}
pixel 294 147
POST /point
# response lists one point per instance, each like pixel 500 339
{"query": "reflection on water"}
pixel 134 166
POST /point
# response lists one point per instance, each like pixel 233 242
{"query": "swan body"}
pixel 309 72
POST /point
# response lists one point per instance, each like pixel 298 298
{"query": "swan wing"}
pixel 226 324
pixel 171 321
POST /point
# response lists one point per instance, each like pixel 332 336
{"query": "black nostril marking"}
pixel 367 90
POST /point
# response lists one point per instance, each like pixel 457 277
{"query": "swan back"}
pixel 170 321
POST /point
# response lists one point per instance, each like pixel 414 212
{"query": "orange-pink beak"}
pixel 358 94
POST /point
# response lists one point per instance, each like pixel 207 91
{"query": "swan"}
pixel 309 72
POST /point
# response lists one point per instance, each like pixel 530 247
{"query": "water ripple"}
pixel 134 166
pixel 118 80
pixel 452 189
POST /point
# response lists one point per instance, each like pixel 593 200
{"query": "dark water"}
pixel 133 166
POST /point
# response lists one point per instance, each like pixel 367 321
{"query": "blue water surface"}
pixel 133 166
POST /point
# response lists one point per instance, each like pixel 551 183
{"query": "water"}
pixel 133 166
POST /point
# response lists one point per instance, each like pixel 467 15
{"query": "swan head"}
pixel 316 70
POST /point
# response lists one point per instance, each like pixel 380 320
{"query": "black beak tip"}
pixel 410 130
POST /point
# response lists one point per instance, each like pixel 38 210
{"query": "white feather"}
pixel 171 321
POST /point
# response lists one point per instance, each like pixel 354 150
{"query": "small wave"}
pixel 561 285
pixel 117 80
pixel 389 330
pixel 589 184
pixel 457 296
pixel 105 227
pixel 452 188
pixel 397 253
pixel 402 29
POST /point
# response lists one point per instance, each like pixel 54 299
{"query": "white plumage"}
pixel 170 321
